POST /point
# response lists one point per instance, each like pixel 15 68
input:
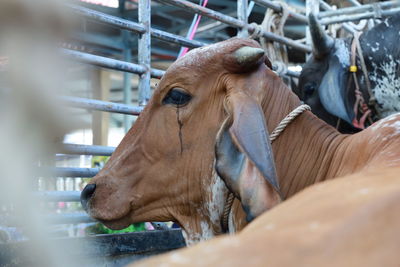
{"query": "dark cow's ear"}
pixel 245 59
pixel 322 42
pixel 244 157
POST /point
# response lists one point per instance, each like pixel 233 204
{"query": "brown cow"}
pixel 204 131
pixel 350 221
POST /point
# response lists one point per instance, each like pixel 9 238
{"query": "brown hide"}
pixel 164 167
pixel 350 221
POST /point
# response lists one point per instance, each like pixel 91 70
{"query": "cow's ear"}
pixel 245 59
pixel 244 157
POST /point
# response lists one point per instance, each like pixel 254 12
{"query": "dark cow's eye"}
pixel 177 96
pixel 309 88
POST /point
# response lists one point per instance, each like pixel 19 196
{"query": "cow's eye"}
pixel 177 96
pixel 310 87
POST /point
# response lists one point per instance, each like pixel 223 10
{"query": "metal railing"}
pixel 189 6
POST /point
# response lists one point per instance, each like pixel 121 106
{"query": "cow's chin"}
pixel 117 224
pixel 113 220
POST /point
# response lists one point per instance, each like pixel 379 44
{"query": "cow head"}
pixel 202 133
pixel 323 80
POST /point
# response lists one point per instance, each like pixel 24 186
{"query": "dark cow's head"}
pixel 202 132
pixel 323 80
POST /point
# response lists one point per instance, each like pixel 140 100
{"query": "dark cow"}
pixel 327 85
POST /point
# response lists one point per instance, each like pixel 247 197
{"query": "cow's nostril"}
pixel 86 194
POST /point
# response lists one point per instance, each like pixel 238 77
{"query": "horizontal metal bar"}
pixel 189 6
pixel 173 38
pixel 278 8
pixel 61 218
pixel 76 149
pixel 347 26
pixel 133 26
pixel 358 9
pixel 291 73
pixel 366 15
pixel 155 73
pixel 107 19
pixel 104 62
pixel 69 218
pixel 75 172
pixel 110 63
pixel 58 196
pixel 68 171
pixel 288 72
pixel 93 104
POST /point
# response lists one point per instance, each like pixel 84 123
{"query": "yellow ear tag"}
pixel 353 68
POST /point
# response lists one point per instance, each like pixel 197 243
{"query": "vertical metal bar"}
pixel 144 51
pixel 242 15
pixel 127 87
pixel 312 6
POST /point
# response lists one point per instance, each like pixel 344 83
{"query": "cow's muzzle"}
pixel 86 194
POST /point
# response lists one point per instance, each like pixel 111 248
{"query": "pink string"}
pixel 191 36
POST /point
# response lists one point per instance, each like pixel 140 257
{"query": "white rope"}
pixel 288 119
pixel 257 31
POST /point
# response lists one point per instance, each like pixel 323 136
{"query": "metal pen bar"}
pixel 347 26
pixel 110 63
pixel 58 196
pixel 132 26
pixel 92 104
pixel 169 37
pixel 242 15
pixel 325 6
pixel 358 9
pixel 288 72
pixel 107 19
pixel 155 73
pixel 354 2
pixel 69 172
pixel 61 218
pixel 77 149
pixel 367 15
pixel 69 218
pixel 127 80
pixel 278 8
pixel 234 22
pixel 104 62
pixel 291 73
pixel 144 52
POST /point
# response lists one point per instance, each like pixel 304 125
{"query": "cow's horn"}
pixel 248 56
pixel 322 42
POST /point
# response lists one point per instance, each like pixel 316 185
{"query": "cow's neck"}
pixel 303 152
pixel 204 221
